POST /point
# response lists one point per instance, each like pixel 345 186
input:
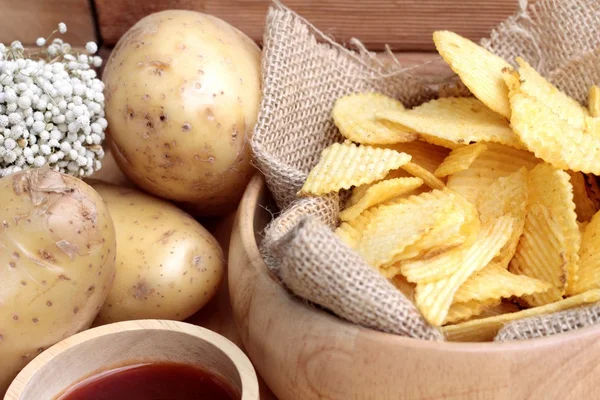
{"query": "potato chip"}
pixel 504 307
pixel 343 165
pixel 552 138
pixel 459 119
pixel 462 311
pixel 534 86
pixel 495 282
pixel 428 156
pixel 511 79
pixel 594 101
pixel 584 206
pixel 495 162
pixel 549 247
pixel 460 223
pixel 439 141
pixel 349 234
pixel 430 180
pixel 407 288
pixel 478 69
pixel 592 189
pixel 378 193
pixel 459 159
pixel 394 227
pixel 354 115
pixel 485 329
pixel 433 299
pixel 506 196
pixel 446 264
pixel 589 258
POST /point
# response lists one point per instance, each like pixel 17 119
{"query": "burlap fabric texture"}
pixel 304 72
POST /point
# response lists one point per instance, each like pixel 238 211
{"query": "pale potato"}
pixel 57 252
pixel 168 265
pixel 182 97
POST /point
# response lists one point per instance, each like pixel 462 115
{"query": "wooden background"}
pixel 405 25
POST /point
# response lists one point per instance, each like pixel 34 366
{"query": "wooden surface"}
pixel 406 25
pixel 26 20
pixel 117 344
pixel 304 353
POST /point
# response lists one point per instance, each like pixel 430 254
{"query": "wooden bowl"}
pixel 122 343
pixel 305 353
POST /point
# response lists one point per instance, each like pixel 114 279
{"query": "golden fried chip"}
pixel 394 227
pixel 589 258
pixel 459 159
pixel 549 247
pixel 343 165
pixel 584 206
pixel 495 282
pixel 407 288
pixel 504 307
pixel 594 101
pixel 534 86
pixel 459 119
pixel 552 138
pixel 349 234
pixel 495 162
pixel 354 115
pixel 484 329
pixel 446 264
pixel 439 141
pixel 462 311
pixel 380 192
pixel 506 196
pixel 430 180
pixel 433 299
pixel 479 69
pixel 428 156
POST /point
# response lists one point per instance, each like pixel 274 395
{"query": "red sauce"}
pixel 160 381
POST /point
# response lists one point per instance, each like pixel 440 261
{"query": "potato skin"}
pixel 182 97
pixel 168 265
pixel 57 252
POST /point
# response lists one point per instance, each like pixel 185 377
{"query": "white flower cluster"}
pixel 51 109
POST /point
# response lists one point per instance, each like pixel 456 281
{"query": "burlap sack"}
pixel 304 72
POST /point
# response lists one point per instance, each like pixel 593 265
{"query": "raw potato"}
pixel 168 265
pixel 57 252
pixel 182 97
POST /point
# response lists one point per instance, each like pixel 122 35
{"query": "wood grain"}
pixel 406 25
pixel 305 353
pixel 119 344
pixel 26 20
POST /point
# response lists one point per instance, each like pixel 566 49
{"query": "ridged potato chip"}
pixel 549 247
pixel 394 227
pixel 354 115
pixel 506 196
pixel 495 282
pixel 445 265
pixel 552 138
pixel 589 258
pixel 495 162
pixel 594 101
pixel 343 165
pixel 463 311
pixel 460 159
pixel 430 180
pixel 479 69
pixel 433 299
pixel 407 288
pixel 439 141
pixel 504 307
pixel 428 156
pixel 533 85
pixel 584 206
pixel 485 329
pixel 380 192
pixel 459 119
pixel 349 234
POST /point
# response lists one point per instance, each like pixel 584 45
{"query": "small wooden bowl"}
pixel 305 353
pixel 122 343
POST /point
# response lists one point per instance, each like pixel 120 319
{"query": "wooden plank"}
pixel 406 25
pixel 26 20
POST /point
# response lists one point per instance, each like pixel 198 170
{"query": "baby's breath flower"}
pixel 62 28
pixel 40 41
pixel 91 47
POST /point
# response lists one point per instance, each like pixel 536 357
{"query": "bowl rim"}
pixel 241 362
pixel 246 219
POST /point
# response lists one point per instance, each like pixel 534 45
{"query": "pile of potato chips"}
pixel 480 209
